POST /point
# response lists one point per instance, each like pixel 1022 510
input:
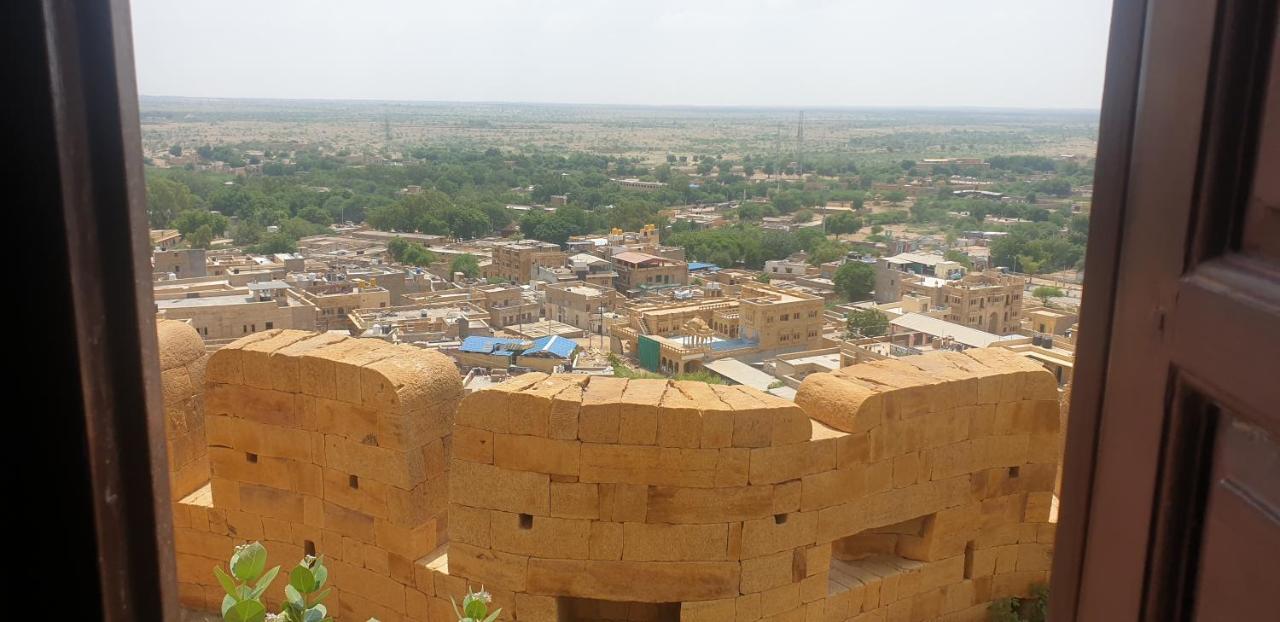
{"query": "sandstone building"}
pixel 518 261
pixel 914 489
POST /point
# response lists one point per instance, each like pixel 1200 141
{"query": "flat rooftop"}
pixel 214 301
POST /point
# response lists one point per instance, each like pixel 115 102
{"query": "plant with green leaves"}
pixel 305 590
pixel 246 583
pixel 475 607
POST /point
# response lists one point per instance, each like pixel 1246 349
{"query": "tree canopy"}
pixel 855 280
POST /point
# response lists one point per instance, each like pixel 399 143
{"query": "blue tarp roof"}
pixel 694 266
pixel 487 345
pixel 553 345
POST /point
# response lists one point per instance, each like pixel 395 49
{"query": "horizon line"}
pixel 778 107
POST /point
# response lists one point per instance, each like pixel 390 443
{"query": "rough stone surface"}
pixel 912 489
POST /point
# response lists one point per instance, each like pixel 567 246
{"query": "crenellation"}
pixel 917 489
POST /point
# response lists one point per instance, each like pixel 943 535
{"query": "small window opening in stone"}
pixel 309 547
pixel 968 560
pixel 251 457
pixel 779 519
pixel 1013 472
pixel 353 481
pixel 526 521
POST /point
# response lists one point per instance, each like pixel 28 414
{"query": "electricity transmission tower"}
pixel 800 146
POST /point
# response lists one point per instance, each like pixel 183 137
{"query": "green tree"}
pixel 230 200
pixel 467 264
pixel 866 323
pixel 855 280
pixel 189 221
pixel 1045 292
pixel 468 223
pixel 843 223
pixel 959 257
pixel 165 200
pixel 202 237
pixel 276 243
pixel 410 253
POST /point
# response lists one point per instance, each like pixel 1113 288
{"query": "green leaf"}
pixel 474 607
pixel 293 596
pixel 246 611
pixel 265 582
pixel 302 579
pixel 321 595
pixel 320 573
pixel 456 613
pixel 228 585
pixel 493 616
pixel 315 614
pixel 248 562
pixel 228 602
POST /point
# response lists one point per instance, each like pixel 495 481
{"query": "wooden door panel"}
pixel 1162 179
pixel 1179 516
pixel 1240 549
pixel 1261 236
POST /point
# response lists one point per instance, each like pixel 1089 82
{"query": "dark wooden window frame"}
pixel 105 530
pixel 78 105
pixel 1184 90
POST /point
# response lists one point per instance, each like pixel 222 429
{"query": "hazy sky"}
pixel 1007 53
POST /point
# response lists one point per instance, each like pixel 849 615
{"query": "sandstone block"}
pixel 636 581
pixel 485 486
pixel 662 542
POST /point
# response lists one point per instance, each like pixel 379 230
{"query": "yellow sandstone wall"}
pixel 182 362
pixel 911 489
pixel 931 478
pixel 322 444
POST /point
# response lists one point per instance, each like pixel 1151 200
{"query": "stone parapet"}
pixel 912 489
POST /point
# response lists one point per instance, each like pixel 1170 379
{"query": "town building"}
pixel 892 271
pixel 507 304
pixel 789 268
pixel 422 323
pixel 333 301
pixel 636 184
pixel 218 316
pixel 580 267
pixel 986 300
pixel 165 239
pixel 179 263
pixel 547 354
pixel 580 304
pixel 517 261
pixel 683 336
pixel 640 272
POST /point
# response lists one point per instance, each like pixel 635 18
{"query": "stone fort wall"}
pixel 911 489
pixel 182 362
